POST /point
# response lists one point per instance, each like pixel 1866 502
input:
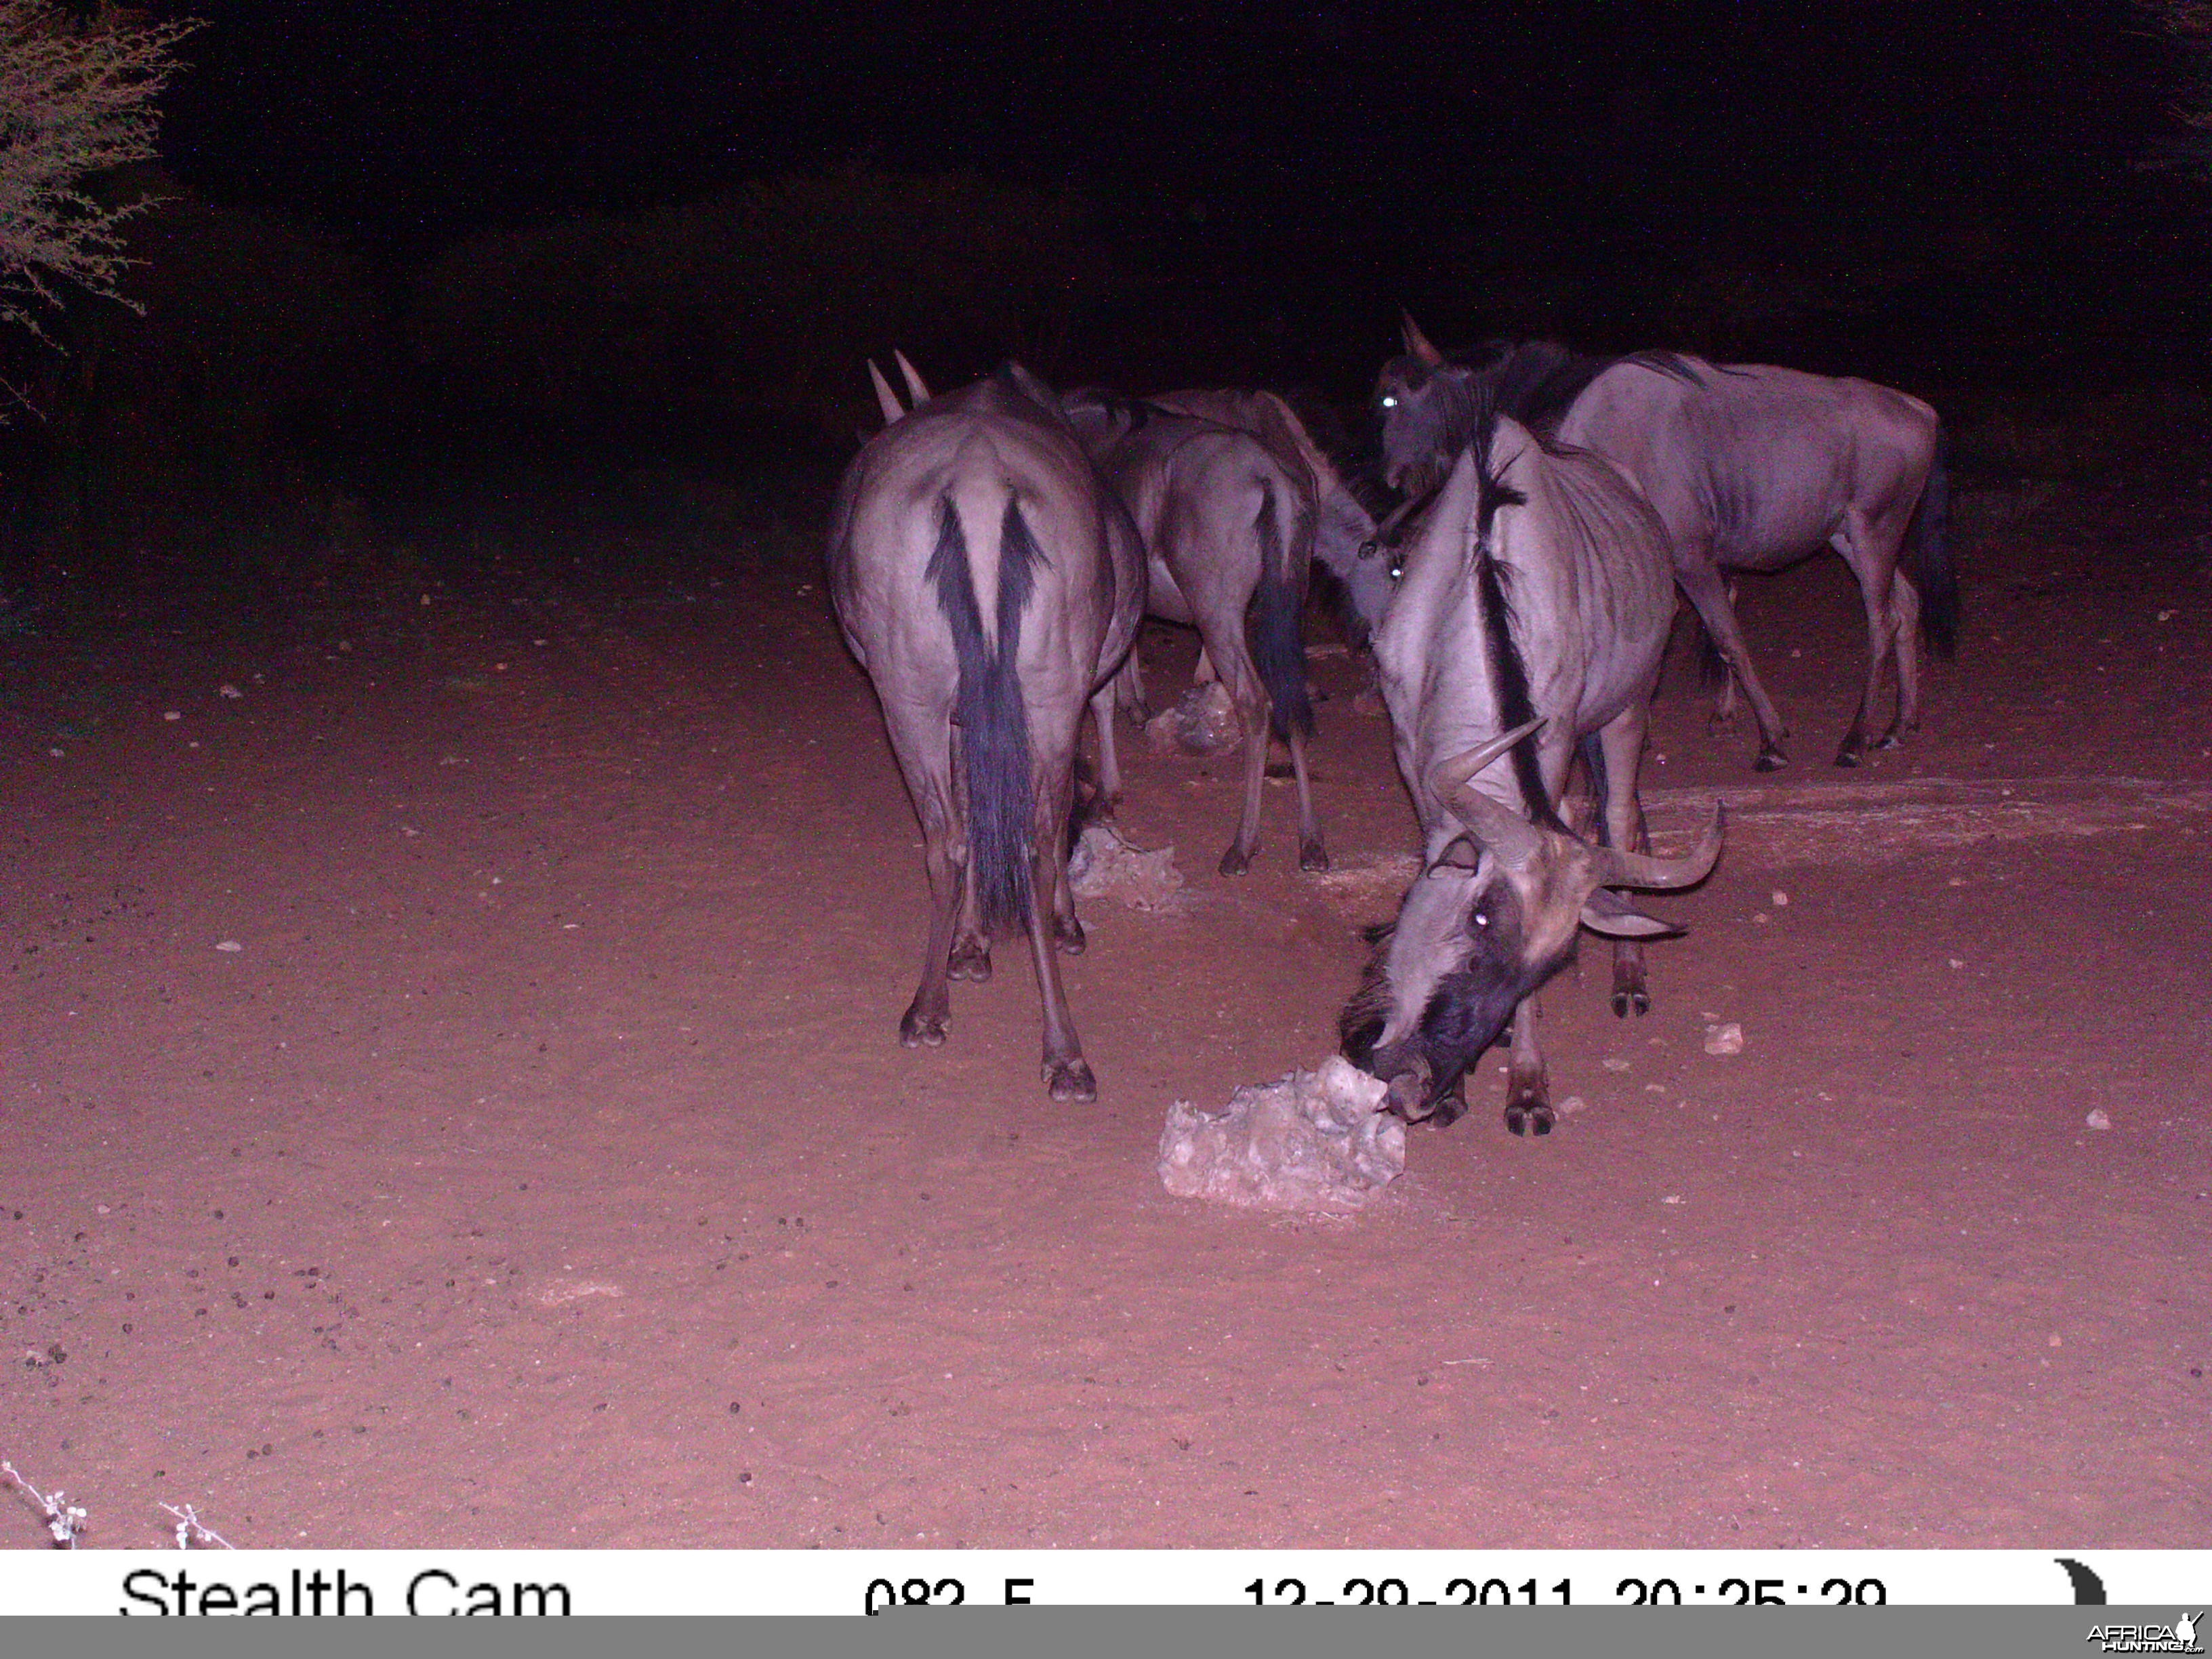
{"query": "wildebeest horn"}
pixel 1407 511
pixel 1418 342
pixel 914 388
pixel 1641 870
pixel 892 412
pixel 1497 827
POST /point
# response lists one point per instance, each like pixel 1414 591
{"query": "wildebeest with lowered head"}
pixel 990 584
pixel 1751 467
pixel 1229 529
pixel 1343 526
pixel 1532 616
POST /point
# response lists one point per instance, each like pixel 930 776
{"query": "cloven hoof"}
pixel 1071 1080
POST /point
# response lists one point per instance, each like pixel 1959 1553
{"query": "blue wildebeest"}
pixel 1342 524
pixel 1531 618
pixel 990 584
pixel 1751 468
pixel 1228 529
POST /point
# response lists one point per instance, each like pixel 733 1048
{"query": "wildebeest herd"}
pixel 993 551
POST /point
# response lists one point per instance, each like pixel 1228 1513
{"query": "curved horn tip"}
pixel 1641 870
pixel 1449 773
pixel 916 388
pixel 886 399
pixel 1707 851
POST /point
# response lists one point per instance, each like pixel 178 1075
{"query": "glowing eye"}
pixel 1480 920
pixel 1390 403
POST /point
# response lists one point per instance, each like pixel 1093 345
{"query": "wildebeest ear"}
pixel 1032 386
pixel 1462 857
pixel 1606 912
pixel 1418 342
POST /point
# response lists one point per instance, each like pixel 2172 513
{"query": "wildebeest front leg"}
pixel 1700 582
pixel 1528 1092
pixel 1621 744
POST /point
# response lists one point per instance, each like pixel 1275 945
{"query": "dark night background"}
pixel 590 237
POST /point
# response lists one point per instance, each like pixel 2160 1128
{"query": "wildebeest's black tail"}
pixel 1274 626
pixel 1928 556
pixel 994 728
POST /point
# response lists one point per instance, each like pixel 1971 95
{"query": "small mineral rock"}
pixel 1103 864
pixel 1725 1039
pixel 2096 1120
pixel 1202 722
pixel 230 944
pixel 1316 1141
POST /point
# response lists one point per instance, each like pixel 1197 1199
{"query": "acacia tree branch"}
pixel 76 99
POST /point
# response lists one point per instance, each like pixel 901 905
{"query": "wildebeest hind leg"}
pixel 1251 698
pixel 1128 690
pixel 970 955
pixel 923 1024
pixel 1701 585
pixel 1066 1073
pixel 1312 854
pixel 1905 648
pixel 1870 547
pixel 1109 759
pixel 1067 934
pixel 1881 629
pixel 1724 699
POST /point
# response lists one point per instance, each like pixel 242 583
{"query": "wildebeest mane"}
pixel 1364 483
pixel 1537 381
pixel 1509 666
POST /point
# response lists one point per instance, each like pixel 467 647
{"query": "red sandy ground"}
pixel 543 1169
